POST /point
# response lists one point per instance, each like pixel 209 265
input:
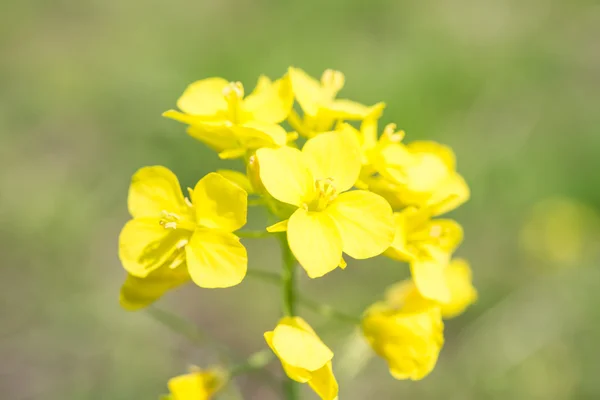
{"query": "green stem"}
pixel 288 284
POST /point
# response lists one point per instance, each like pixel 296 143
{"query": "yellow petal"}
pixel 216 259
pixel 184 118
pixel 334 155
pixel 219 203
pixel 444 152
pixel 270 102
pixel 462 292
pixel 145 245
pixel 300 348
pixel 254 135
pixel 399 249
pixel 137 293
pixel 238 178
pixel 298 374
pixel 154 190
pixel 280 226
pixel 197 385
pixel 315 241
pixel 218 136
pixel 204 97
pixel 285 174
pixel 323 382
pixel 307 90
pixel 365 222
pixel 349 110
pixel 445 234
pixel 429 278
pixel 453 193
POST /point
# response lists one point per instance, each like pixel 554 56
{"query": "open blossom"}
pixel 328 219
pixel 304 357
pixel 199 384
pixel 457 276
pixel 171 236
pixel 427 244
pixel 220 116
pixel 408 340
pixel 319 104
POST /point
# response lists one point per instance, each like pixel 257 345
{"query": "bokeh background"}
pixel 512 86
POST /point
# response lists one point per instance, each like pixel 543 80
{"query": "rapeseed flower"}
pixel 220 116
pixel 326 221
pixel 320 107
pixel 197 385
pixel 304 357
pixel 457 276
pixel 427 244
pixel 170 232
pixel 408 340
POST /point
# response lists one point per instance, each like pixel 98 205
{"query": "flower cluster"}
pixel 335 188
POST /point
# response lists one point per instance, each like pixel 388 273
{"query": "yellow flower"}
pixel 427 245
pixel 458 278
pixel 220 116
pixel 321 108
pixel 421 174
pixel 170 234
pixel 409 340
pixel 304 357
pixel 326 220
pixel 197 385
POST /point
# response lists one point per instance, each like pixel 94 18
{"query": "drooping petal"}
pixel 323 382
pixel 298 374
pixel 204 97
pixel 154 190
pixel 399 249
pixel 315 241
pixel 218 136
pixel 365 222
pixel 462 292
pixel 298 347
pixel 453 193
pixel 137 293
pixel 216 259
pixel 280 226
pixel 220 203
pixel 285 174
pixel 270 102
pixel 342 109
pixel 334 155
pixel 145 245
pixel 444 152
pixel 428 275
pixel 307 90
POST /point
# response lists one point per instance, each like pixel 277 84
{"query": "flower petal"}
pixel 300 348
pixel 298 374
pixel 270 102
pixel 145 245
pixel 428 275
pixel 399 248
pixel 350 110
pixel 307 90
pixel 323 382
pixel 335 155
pixel 254 135
pixel 315 241
pixel 238 178
pixel 137 293
pixel 462 292
pixel 204 97
pixel 218 136
pixel 216 259
pixel 365 222
pixel 285 174
pixel 280 226
pixel 154 190
pixel 219 203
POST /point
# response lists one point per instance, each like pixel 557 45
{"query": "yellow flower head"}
pixel 197 385
pixel 409 340
pixel 304 357
pixel 421 174
pixel 458 279
pixel 427 244
pixel 321 108
pixel 326 221
pixel 171 236
pixel 220 116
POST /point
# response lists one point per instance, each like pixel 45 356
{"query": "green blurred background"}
pixel 512 86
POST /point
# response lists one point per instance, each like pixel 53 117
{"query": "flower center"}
pixel 325 193
pixel 234 93
pixel 171 220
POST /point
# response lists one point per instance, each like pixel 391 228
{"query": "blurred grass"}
pixel 513 87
